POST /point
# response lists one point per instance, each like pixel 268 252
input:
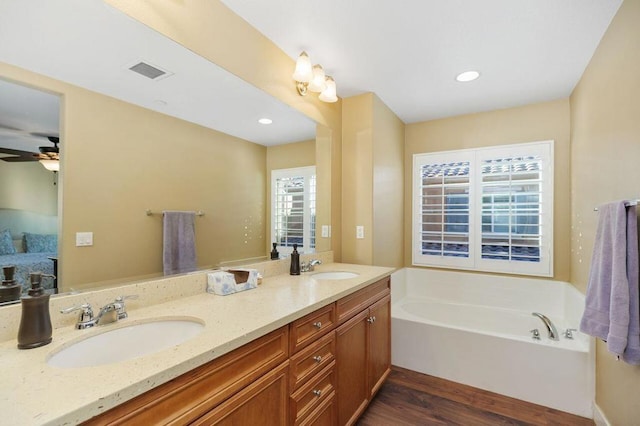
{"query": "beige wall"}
pixel 357 178
pixel 28 186
pixel 206 28
pixel 372 176
pixel 291 155
pixel 388 194
pixel 119 159
pixel 605 154
pixel 544 121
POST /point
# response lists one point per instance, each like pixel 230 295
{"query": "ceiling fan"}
pixel 46 152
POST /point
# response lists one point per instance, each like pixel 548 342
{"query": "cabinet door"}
pixel 379 343
pixel 264 403
pixel 351 360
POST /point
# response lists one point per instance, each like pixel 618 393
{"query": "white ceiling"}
pixel 408 52
pixel 27 116
pixel 89 44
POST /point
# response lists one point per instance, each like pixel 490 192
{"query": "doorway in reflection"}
pixel 29 165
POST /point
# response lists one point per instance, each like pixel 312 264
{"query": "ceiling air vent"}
pixel 149 71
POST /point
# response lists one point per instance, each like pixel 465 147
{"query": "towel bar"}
pixel 150 213
pixel 627 204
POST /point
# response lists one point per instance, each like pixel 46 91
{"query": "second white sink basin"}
pixel 132 341
pixel 334 275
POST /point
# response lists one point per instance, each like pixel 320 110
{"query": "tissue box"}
pixel 232 281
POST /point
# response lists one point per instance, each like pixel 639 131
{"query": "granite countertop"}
pixel 34 392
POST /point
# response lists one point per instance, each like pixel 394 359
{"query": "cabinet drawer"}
pixel 311 360
pixel 264 403
pixel 189 396
pixel 307 329
pixel 324 415
pixel 350 305
pixel 313 393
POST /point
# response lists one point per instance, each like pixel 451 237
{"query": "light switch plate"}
pixel 359 232
pixel 84 239
pixel 325 231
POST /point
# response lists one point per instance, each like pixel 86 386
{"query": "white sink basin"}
pixel 132 341
pixel 334 275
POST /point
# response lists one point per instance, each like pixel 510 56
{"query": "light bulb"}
pixel 303 71
pixel 329 94
pixel 318 82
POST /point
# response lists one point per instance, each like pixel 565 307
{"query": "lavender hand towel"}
pixel 179 242
pixel 631 353
pixel 609 303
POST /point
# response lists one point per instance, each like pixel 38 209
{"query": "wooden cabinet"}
pixel 264 403
pixel 363 353
pixel 309 328
pixel 312 373
pixel 309 361
pixel 308 373
pixel 190 396
pixel 379 344
pixel 351 354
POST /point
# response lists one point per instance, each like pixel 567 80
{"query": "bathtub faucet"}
pixel 553 333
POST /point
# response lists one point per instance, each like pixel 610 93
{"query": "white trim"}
pixel 598 416
pixel 544 149
pixel 306 172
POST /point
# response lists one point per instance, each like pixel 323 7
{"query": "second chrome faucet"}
pixel 86 319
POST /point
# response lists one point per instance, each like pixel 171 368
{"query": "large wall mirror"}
pixel 187 141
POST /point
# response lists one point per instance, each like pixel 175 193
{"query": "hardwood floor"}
pixel 410 398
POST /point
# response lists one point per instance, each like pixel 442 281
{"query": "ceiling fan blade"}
pixel 18 156
pixel 18 159
pixel 15 152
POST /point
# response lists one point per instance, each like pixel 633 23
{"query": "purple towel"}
pixel 612 302
pixel 178 242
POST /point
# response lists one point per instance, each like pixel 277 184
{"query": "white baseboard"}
pixel 598 416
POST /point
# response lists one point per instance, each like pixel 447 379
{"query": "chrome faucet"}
pixel 553 332
pixel 309 266
pixel 87 319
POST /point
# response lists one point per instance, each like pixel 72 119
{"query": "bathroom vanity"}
pixel 328 363
pixel 296 350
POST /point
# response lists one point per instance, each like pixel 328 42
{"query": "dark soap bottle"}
pixel 35 324
pixel 295 261
pixel 10 290
pixel 274 253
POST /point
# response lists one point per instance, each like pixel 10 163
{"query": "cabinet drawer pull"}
pixel 317 358
pixel 317 392
pixel 317 324
pixel 370 320
pixel 374 318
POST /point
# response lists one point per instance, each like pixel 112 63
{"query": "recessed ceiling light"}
pixel 265 121
pixel 468 76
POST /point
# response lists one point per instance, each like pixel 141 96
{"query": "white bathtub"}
pixel 474 329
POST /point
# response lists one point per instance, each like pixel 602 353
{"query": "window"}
pixel 293 209
pixel 487 209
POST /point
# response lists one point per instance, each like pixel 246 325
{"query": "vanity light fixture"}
pixel 265 121
pixel 313 79
pixel 467 76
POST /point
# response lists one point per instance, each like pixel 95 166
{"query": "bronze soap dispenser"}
pixel 10 290
pixel 35 324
